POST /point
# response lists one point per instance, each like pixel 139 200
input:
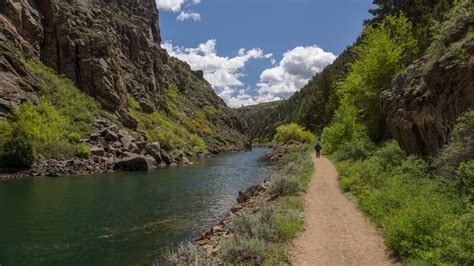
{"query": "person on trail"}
pixel 318 148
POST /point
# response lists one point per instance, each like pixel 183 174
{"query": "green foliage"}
pixel 461 146
pixel 343 128
pixel 243 250
pixel 188 253
pixel 54 125
pixel 46 126
pixel 76 107
pixel 422 13
pixel 293 132
pixel 82 151
pixel 384 51
pixel 405 197
pixel 446 31
pixel 465 179
pixel 263 237
pixel 284 186
pixel 132 103
pixel 260 225
pixel 459 242
pixel 17 149
pixel 289 219
pixel 171 135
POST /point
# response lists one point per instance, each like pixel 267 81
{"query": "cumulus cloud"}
pixel 188 15
pixel 176 5
pixel 294 70
pixel 223 73
pixel 170 5
pixel 279 82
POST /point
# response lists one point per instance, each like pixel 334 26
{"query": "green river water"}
pixel 123 218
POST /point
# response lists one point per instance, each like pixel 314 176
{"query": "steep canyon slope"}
pixel 111 50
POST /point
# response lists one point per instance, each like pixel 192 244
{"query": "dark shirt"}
pixel 318 147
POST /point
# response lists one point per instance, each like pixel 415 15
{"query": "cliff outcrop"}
pixel 111 50
pixel 425 100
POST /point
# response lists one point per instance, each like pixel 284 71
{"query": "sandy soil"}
pixel 336 233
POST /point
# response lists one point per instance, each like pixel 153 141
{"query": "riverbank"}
pixel 260 227
pixel 110 148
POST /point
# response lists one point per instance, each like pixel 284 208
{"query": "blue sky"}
pixel 253 51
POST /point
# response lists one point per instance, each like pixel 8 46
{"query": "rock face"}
pixel 425 100
pixel 17 84
pixel 135 162
pixel 111 49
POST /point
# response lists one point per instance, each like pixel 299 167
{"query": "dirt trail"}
pixel 337 233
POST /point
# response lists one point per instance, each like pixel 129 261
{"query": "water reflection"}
pixel 119 218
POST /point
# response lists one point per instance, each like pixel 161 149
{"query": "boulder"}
pixel 98 151
pixel 135 162
pixel 154 150
pixel 141 144
pixel 109 135
pixel 250 193
pixel 185 160
pixel 166 157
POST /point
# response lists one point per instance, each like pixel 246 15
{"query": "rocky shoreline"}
pixel 248 201
pixel 111 149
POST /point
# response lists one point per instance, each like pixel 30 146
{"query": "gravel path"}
pixel 336 233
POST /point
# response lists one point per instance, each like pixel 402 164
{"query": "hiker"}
pixel 318 148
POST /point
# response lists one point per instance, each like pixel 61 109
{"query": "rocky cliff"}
pixel 111 50
pixel 427 98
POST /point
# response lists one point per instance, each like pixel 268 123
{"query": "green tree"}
pixel 17 149
pixel 384 51
pixel 420 12
pixel 293 132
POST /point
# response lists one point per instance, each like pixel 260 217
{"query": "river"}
pixel 122 218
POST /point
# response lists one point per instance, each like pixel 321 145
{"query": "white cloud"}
pixel 188 15
pixel 294 71
pixel 223 73
pixel 174 5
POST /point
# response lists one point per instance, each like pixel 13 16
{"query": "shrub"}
pixel 284 186
pixel 43 123
pixel 465 180
pixel 289 221
pixel 293 132
pixel 417 211
pixel 82 151
pixel 461 146
pixel 18 149
pixel 359 147
pixel 170 134
pixel 459 244
pixel 188 253
pixel 243 250
pixel 260 225
pixel 412 230
pixel 343 128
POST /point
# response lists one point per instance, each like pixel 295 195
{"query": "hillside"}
pixel 111 52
